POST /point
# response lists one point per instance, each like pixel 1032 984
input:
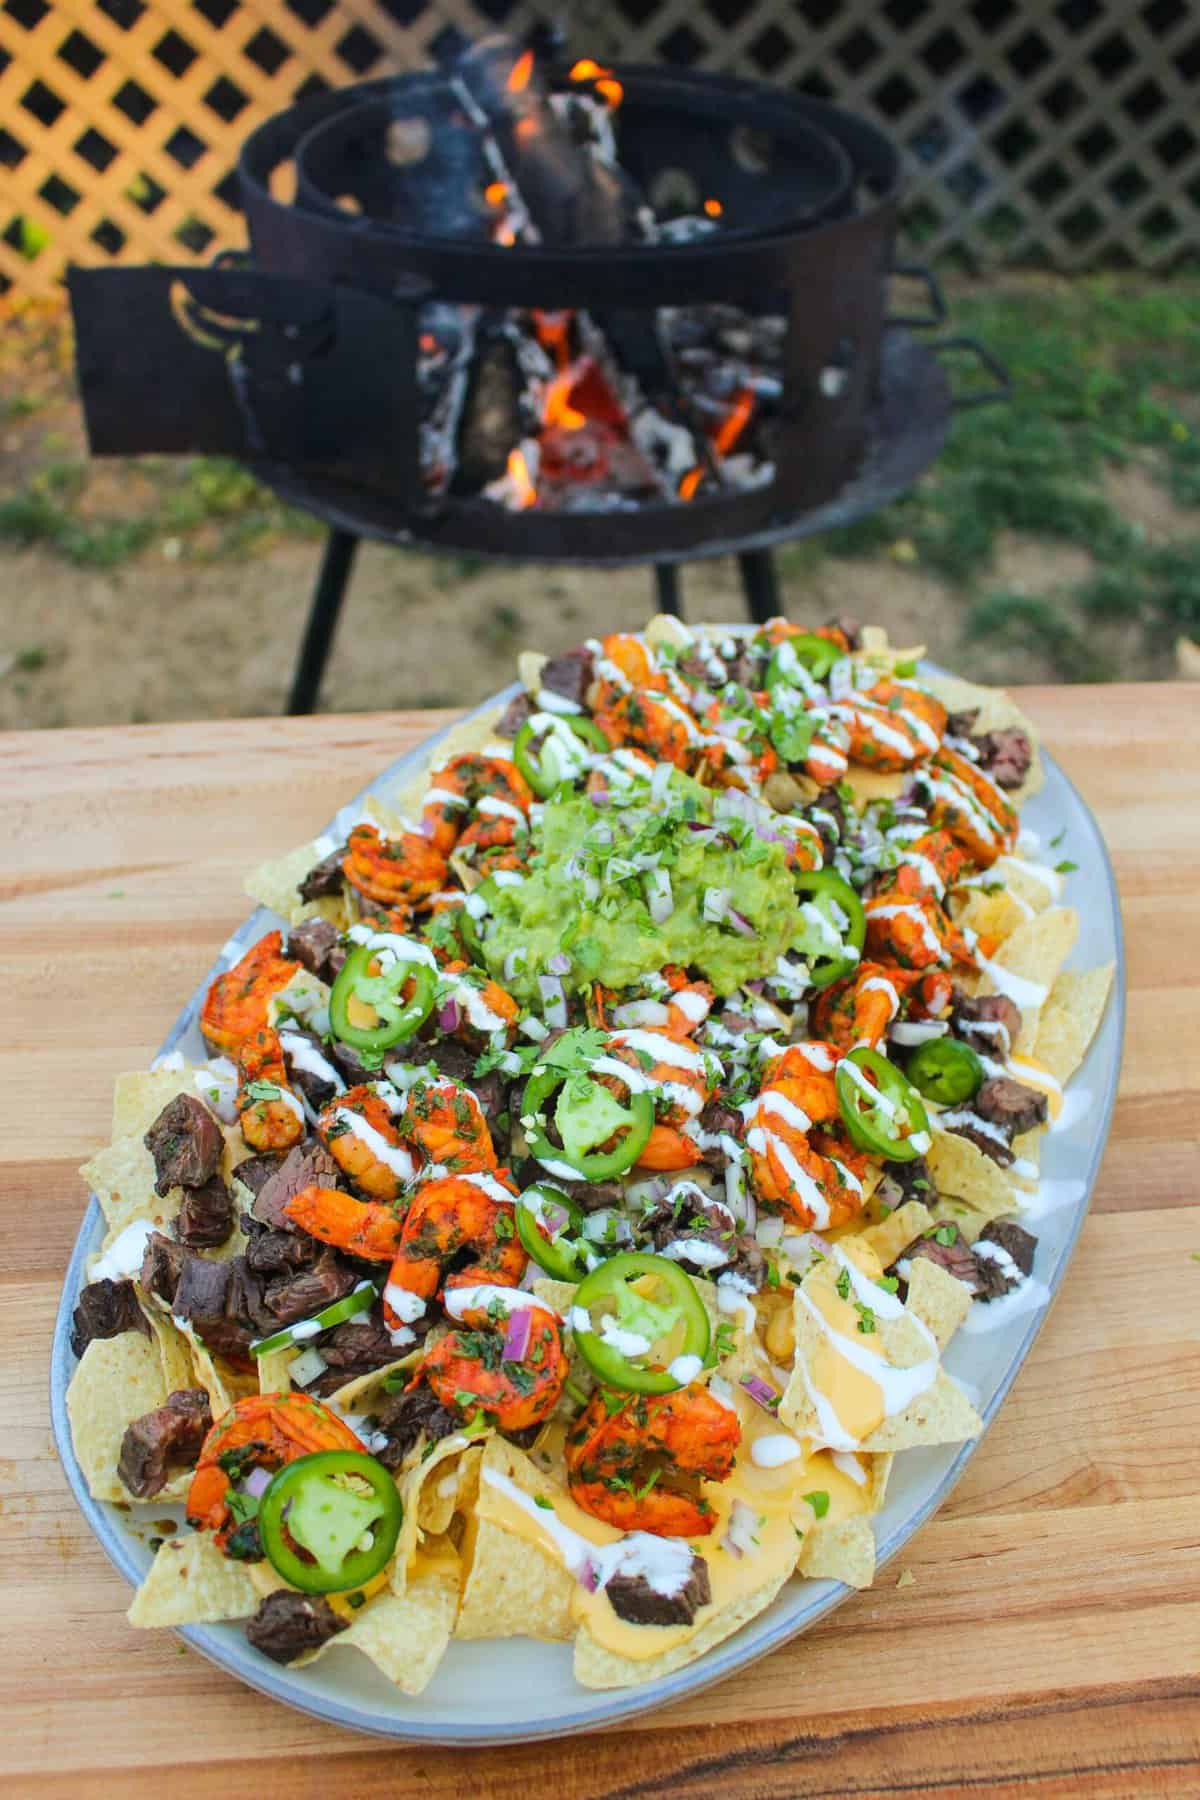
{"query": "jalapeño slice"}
pixel 369 1007
pixel 882 1112
pixel 946 1071
pixel 833 926
pixel 547 766
pixel 330 1521
pixel 635 1300
pixel 549 1224
pixel 816 655
pixel 587 1116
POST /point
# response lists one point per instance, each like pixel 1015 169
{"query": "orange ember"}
pixel 495 193
pixel 521 73
pixel 524 492
pixel 691 482
pixel 558 409
pixel 505 234
pixel 525 129
pixel 428 342
pixel 713 208
pixel 608 88
pixel 734 423
pixel 586 70
pixel 553 329
pixel 611 92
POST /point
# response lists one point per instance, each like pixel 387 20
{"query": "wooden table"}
pixel 1052 1632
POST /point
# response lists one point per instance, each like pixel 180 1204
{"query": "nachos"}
pixel 563 1224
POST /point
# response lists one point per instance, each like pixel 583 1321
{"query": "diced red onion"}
pixel 559 963
pixel 427 827
pixel 554 1000
pixel 743 1526
pixel 589 1575
pixel 740 922
pixel 256 1483
pixel 762 1392
pixel 555 1218
pixel 516 1338
pixel 449 1015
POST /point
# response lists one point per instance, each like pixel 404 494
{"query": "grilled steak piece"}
pixel 718 1120
pixel 1007 1102
pixel 162 1266
pixel 957 1258
pixel 104 1310
pixel 907 1181
pixel 404 1417
pixel 256 1170
pixel 299 1296
pixel 827 814
pixel 287 1624
pixel 186 1144
pixel 514 715
pixel 1004 1253
pixel 308 1165
pixel 315 944
pixel 223 1302
pixel 1005 755
pixel 206 1216
pixel 995 1141
pixel 569 674
pixel 989 1023
pixel 170 1436
pixel 850 628
pixel 702 1238
pixel 304 1066
pixel 325 877
pixel 632 1597
pixel 277 1252
pixel 359 1347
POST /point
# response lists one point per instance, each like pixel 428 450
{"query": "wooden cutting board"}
pixel 1050 1635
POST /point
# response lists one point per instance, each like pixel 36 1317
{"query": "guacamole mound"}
pixel 588 888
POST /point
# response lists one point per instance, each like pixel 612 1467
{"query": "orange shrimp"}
pixel 815 1181
pixel 270 1430
pixel 468 1370
pixel 269 1120
pixel 393 871
pixel 633 660
pixel 600 781
pixel 828 755
pixel 623 1466
pixel 373 1157
pixel 908 926
pixel 969 806
pixel 497 1000
pixel 461 785
pixel 859 1009
pixel 448 1217
pixel 237 1003
pixel 489 844
pixel 364 1228
pixel 447 1124
pixel 880 736
pixel 688 1003
pixel 652 721
pixel 677 1069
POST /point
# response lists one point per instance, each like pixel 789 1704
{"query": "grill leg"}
pixel 666 583
pixel 759 584
pixel 337 561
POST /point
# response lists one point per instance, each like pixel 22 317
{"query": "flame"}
pixel 557 409
pixel 495 193
pixel 524 492
pixel 587 70
pixel 526 128
pixel 734 423
pixel 713 208
pixel 505 234
pixel 553 330
pixel 606 85
pixel 428 343
pixel 521 73
pixel 691 482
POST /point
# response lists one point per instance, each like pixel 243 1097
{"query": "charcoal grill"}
pixel 343 359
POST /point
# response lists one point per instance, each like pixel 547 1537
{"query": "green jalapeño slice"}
pixel 833 926
pixel 329 1522
pixel 640 1324
pixel 378 1001
pixel 882 1112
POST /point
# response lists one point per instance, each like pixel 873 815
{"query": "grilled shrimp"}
pixel 634 665
pixel 448 1216
pixel 677 1074
pixel 908 926
pixel 364 1228
pixel 357 1130
pixel 469 1369
pixel 967 803
pixel 652 721
pixel 623 1467
pixel 271 1430
pixel 813 1175
pixel 270 1113
pixel 395 871
pixel 859 1009
pixel 466 784
pixel 236 1004
pixel 447 1124
pixel 828 755
pixel 493 843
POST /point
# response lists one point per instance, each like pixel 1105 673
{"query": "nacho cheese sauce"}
pixel 849 1378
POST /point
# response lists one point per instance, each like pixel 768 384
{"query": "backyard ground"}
pixel 1058 538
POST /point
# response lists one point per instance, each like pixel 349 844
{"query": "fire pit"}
pixel 543 311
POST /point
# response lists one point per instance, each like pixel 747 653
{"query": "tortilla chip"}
pixel 995 916
pixel 1035 952
pixel 421 1477
pixel 972 1191
pixel 839 1550
pixel 665 628
pixel 358 1395
pixel 118 1379
pixel 1027 1149
pixel 174 1351
pixel 1071 1017
pixel 191 1583
pixel 224 1385
pixel 139 1096
pixel 892 1236
pixel 938 1299
pixel 404 1635
pixel 941 1415
pixel 273 1376
pixel 596 1667
pixel 275 884
pixel 1020 878
pixel 530 664
pixel 512 1586
pixel 122 1178
pixel 997 709
pixel 447 1490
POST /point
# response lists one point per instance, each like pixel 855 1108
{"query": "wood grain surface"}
pixel 1050 1641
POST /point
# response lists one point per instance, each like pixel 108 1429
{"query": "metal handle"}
pixel 937 304
pixel 993 365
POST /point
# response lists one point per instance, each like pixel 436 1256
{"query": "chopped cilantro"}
pixel 843 1284
pixel 819 1501
pixel 1065 867
pixel 866 1318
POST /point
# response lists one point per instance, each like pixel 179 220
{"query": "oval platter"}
pixel 484 1695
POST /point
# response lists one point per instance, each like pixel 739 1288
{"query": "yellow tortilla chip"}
pixel 989 916
pixel 997 709
pixel 939 1299
pixel 423 1475
pixel 273 1376
pixel 1038 890
pixel 596 1667
pixel 223 1384
pixel 139 1096
pixel 941 1415
pixel 191 1583
pixel 118 1379
pixel 357 1396
pixel 892 1236
pixel 275 884
pixel 972 1191
pixel 1071 1017
pixel 839 1550
pixel 122 1178
pixel 512 1587
pixel 1035 953
pixel 174 1351
pixel 462 739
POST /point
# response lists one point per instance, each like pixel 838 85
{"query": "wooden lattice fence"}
pixel 1064 135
